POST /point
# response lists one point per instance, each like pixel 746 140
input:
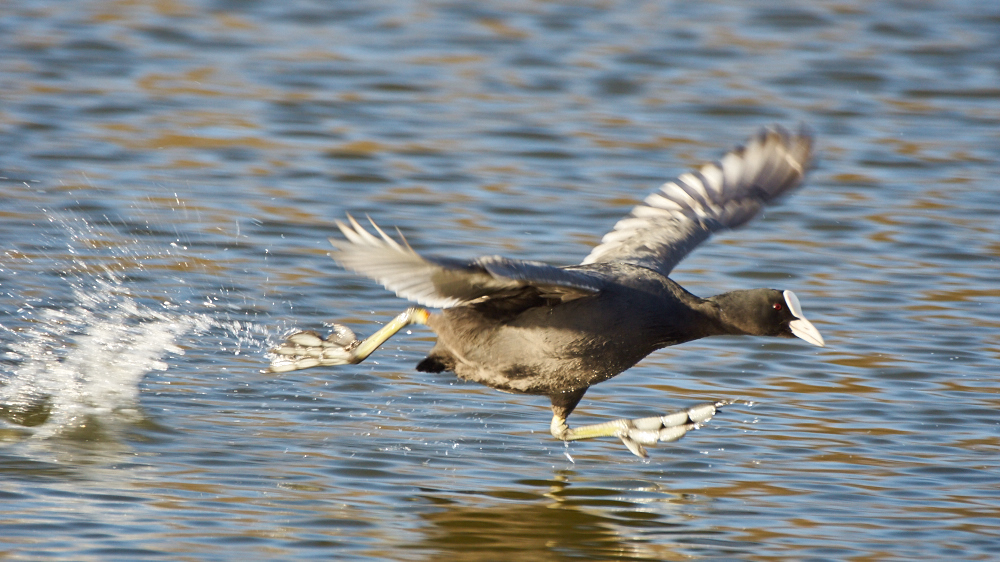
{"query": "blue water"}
pixel 171 172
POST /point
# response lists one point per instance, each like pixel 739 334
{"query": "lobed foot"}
pixel 666 428
pixel 637 432
pixel 302 350
pixel 307 349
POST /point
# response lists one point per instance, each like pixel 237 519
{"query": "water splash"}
pixel 85 333
pixel 79 365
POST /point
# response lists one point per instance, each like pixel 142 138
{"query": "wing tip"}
pixel 726 193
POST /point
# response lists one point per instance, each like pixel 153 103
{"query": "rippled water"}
pixel 171 173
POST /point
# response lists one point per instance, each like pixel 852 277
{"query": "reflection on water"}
pixel 171 172
pixel 559 519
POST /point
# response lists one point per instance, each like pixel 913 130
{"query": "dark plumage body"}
pixel 528 327
pixel 532 345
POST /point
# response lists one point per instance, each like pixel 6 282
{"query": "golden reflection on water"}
pixel 567 522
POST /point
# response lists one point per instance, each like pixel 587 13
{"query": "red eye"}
pixel 777 306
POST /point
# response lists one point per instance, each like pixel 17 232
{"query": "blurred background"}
pixel 170 172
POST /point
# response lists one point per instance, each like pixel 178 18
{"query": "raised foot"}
pixel 307 349
pixel 302 350
pixel 637 432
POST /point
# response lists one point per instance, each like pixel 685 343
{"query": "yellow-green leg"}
pixel 307 349
pixel 635 432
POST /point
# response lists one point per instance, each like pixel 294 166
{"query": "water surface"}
pixel 171 172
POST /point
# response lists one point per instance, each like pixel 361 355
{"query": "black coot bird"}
pixel 532 328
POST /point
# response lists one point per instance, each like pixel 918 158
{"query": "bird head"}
pixel 767 312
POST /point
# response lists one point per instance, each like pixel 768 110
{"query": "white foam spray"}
pixel 79 345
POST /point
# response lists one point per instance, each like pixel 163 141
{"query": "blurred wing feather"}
pixel 726 194
pixel 446 282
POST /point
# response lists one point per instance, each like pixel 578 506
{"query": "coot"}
pixel 532 328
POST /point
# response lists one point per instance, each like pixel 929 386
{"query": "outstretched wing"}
pixel 445 282
pixel 725 194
